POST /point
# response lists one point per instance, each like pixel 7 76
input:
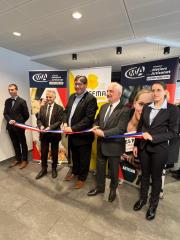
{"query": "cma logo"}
pixel 40 77
pixel 135 72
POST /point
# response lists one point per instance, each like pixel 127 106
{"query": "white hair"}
pixel 117 86
pixel 51 91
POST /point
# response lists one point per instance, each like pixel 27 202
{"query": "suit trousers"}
pixel 45 142
pixel 81 156
pixel 101 170
pixel 18 139
pixel 152 165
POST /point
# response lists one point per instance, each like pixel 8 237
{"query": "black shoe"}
pixel 139 204
pixel 41 174
pixel 54 173
pixel 94 192
pixel 175 171
pixel 112 195
pixel 151 213
pixel 176 176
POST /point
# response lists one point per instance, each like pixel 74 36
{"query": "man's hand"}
pixel 63 126
pixel 147 136
pixel 12 122
pixel 98 132
pixel 48 128
pixel 67 129
pixel 42 127
pixel 95 127
pixel 135 151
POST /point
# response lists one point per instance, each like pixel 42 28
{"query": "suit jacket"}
pixel 116 124
pixel 19 112
pixel 82 119
pixel 163 128
pixel 56 120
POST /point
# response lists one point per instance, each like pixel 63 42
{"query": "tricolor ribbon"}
pixel 128 135
pixel 28 127
pixel 31 128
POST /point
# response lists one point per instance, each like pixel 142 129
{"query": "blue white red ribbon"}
pixel 31 128
pixel 127 135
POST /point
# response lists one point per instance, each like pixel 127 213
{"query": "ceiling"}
pixel 50 35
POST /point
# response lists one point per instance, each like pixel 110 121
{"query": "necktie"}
pixel 107 115
pixel 48 115
pixel 13 102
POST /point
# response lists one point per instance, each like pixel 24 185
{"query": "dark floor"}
pixel 49 209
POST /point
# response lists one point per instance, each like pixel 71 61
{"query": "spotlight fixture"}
pixel 74 56
pixel 166 50
pixel 17 34
pixel 119 50
pixel 77 15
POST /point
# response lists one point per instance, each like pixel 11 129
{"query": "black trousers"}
pixel 152 165
pixel 46 140
pixel 81 156
pixel 18 139
pixel 101 170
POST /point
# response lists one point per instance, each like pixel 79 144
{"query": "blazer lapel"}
pixel 53 112
pixel 158 117
pixel 114 113
pixel 79 104
pixel 15 103
pixel 147 116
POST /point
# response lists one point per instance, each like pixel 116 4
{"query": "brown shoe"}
pixel 23 164
pixel 79 184
pixel 70 177
pixel 14 163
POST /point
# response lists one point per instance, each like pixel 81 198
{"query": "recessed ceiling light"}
pixel 77 15
pixel 18 34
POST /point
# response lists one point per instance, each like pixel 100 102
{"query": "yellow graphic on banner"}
pixel 92 87
pixel 92 81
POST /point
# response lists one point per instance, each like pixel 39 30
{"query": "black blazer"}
pixel 19 112
pixel 116 124
pixel 83 118
pixel 163 128
pixel 56 119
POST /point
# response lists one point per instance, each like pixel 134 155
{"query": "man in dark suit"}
pixel 111 120
pixel 16 110
pixel 49 118
pixel 78 116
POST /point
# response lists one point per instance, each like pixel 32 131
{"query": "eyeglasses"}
pixel 78 84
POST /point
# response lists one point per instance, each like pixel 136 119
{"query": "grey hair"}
pixel 117 86
pixel 51 91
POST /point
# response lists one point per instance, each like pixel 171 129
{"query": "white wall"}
pixel 14 68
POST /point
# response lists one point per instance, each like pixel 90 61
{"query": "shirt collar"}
pixel 52 105
pixel 80 96
pixel 14 98
pixel 115 104
pixel 163 106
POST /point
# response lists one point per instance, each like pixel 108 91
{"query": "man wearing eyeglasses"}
pixel 78 116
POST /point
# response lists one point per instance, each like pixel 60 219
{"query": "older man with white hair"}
pixel 49 118
pixel 111 115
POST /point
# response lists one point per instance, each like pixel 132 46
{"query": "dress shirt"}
pixel 114 105
pixel 154 110
pixel 75 103
pixel 51 109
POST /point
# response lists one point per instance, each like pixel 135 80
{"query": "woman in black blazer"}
pixel 158 123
